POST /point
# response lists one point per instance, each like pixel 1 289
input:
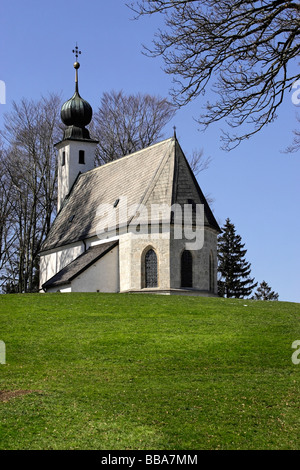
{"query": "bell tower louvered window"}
pixel 151 269
pixel 186 269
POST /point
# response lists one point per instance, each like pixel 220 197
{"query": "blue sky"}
pixel 256 185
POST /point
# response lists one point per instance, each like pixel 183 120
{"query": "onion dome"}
pixel 76 113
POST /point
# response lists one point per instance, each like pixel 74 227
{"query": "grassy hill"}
pixel 111 371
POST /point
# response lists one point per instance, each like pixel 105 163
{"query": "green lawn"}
pixel 111 371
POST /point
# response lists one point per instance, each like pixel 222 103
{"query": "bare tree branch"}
pixel 295 145
pixel 198 162
pixel 124 124
pixel 29 171
pixel 244 50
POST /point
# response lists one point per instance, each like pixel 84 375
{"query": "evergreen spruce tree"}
pixel 234 271
pixel 264 292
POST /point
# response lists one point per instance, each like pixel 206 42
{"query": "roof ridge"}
pixel 127 156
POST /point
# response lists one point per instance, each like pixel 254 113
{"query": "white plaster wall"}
pixel 102 276
pixel 52 263
pixel 68 173
pixel 64 289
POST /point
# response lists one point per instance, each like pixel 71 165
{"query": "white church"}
pixel 137 224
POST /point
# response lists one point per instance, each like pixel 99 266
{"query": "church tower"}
pixel 76 151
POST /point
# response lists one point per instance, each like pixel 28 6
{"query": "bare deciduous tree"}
pixel 126 123
pixel 244 49
pixel 30 130
pixel 7 233
pixel 295 145
pixel 198 162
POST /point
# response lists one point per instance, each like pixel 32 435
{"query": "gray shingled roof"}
pixel 80 264
pixel 158 174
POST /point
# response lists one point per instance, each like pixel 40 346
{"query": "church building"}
pixel 137 224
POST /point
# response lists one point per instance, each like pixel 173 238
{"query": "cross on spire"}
pixel 76 51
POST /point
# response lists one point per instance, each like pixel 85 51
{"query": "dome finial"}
pixel 76 51
pixel 76 113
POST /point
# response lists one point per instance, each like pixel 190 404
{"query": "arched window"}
pixel 81 157
pixel 186 269
pixel 211 272
pixel 151 269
